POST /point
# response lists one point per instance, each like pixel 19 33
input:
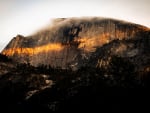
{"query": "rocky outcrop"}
pixel 75 42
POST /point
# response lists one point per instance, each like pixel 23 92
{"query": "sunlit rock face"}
pixel 76 42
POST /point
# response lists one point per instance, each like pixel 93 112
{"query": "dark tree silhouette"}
pixel 122 71
pixel 4 58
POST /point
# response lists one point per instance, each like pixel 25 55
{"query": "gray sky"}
pixel 27 16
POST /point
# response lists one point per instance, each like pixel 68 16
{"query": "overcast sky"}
pixel 27 16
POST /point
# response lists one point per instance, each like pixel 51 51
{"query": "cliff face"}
pixel 75 42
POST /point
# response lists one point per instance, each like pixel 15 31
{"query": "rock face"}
pixel 75 42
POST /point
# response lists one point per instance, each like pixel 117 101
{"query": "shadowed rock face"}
pixel 75 42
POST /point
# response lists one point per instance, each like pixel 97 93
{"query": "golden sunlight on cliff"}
pixel 31 51
pixel 90 44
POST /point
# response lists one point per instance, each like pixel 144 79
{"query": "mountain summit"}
pixel 75 42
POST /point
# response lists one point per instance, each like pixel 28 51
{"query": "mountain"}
pixel 77 64
pixel 76 42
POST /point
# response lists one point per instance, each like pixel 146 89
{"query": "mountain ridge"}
pixel 67 39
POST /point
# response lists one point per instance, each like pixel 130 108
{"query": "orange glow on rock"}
pixel 31 51
pixel 89 44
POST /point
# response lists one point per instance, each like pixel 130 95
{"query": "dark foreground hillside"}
pixel 117 88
